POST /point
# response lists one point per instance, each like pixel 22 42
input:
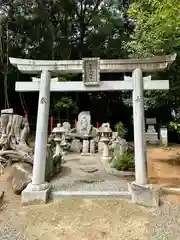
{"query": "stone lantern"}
pixel 59 132
pixel 64 146
pixel 106 134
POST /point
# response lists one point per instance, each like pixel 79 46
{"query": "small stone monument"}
pixel 164 136
pixel 119 145
pixel 151 135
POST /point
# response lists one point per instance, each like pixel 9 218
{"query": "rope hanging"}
pixel 5 66
pixel 22 100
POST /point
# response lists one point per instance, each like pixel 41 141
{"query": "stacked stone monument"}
pixel 151 135
pixel 84 137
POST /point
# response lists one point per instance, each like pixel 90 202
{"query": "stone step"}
pixel 57 195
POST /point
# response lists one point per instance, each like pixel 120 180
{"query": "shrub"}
pixel 123 162
pixel 120 129
pixel 175 125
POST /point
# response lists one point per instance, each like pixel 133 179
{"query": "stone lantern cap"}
pixel 58 129
pixel 105 128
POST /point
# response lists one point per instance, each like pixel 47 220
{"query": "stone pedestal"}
pixel 35 194
pixel 85 148
pixel 106 156
pixel 92 146
pixel 146 195
pixel 100 146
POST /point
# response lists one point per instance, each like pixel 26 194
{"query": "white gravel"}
pixel 10 229
pixel 166 224
pixel 160 224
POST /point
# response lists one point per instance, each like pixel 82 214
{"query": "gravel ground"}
pixel 78 219
pixel 10 227
pixel 167 224
pixel 102 219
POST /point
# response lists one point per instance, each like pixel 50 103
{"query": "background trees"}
pixel 156 32
pixel 59 29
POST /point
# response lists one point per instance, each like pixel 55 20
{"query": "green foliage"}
pixel 157 27
pixel 120 129
pixel 175 125
pixel 157 32
pixel 66 77
pixel 123 162
pixel 66 104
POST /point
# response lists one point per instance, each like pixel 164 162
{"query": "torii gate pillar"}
pixel 42 124
pixel 139 138
pixel 38 190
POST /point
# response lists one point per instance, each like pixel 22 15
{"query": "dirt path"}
pixel 87 220
pixel 164 166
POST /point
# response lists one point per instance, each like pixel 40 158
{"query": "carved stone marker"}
pixel 84 123
pixel 164 136
pixel 91 71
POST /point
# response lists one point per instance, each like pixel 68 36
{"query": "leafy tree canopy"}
pixel 157 27
pixel 157 32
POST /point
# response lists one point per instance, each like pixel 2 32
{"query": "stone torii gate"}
pixel 90 68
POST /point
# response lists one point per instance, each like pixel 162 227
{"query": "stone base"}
pixel 86 154
pixel 30 196
pixel 58 195
pixel 164 143
pixel 106 160
pixel 146 195
pixel 152 138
